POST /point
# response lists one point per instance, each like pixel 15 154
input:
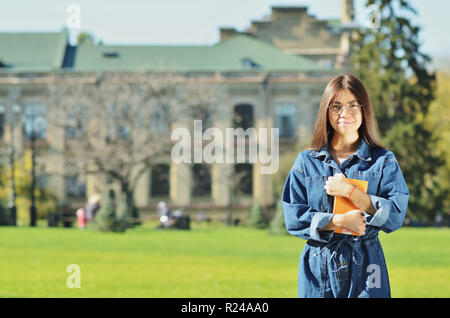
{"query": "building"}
pixel 296 32
pixel 272 79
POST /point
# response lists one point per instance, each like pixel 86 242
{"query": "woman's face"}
pixel 349 119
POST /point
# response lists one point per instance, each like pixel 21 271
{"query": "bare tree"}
pixel 119 126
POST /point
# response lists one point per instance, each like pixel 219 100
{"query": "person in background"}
pixel 92 207
pixel 81 218
pixel 165 216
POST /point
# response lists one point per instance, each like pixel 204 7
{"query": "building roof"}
pixel 238 53
pixel 45 52
pixel 32 51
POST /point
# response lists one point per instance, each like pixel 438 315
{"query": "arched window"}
pixel 243 116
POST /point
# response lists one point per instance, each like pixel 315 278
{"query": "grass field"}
pixel 208 261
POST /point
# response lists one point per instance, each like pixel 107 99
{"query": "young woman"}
pixel 344 145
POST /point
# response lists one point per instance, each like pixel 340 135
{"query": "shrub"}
pixel 106 218
pixel 256 217
pixel 278 225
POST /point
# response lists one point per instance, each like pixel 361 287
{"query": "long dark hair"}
pixel 323 131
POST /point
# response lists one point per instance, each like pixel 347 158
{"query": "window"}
pixel 76 122
pixel 243 116
pixel 160 180
pixel 202 112
pixel 160 121
pixel 285 119
pixel 75 187
pixel 248 63
pixel 157 124
pixel 243 179
pixel 118 122
pixel 201 180
pixel 327 63
pixel 35 120
pixel 41 181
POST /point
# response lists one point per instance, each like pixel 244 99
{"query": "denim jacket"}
pixel 308 208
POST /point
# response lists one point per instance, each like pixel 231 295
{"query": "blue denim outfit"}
pixel 340 265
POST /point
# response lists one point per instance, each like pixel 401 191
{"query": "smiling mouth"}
pixel 345 122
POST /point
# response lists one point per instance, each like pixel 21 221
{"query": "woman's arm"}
pixel 301 219
pixel 338 185
pixel 335 222
pixel 391 202
pixel 360 199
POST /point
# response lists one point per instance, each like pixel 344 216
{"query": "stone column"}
pixel 55 161
pixel 180 183
pixel 222 173
pixel 305 114
pixel 222 176
pixel 262 183
pixel 142 190
pixel 262 186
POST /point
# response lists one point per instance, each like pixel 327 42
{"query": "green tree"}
pixel 287 159
pixel 85 38
pixel 388 60
pixel 125 213
pixel 256 217
pixel 46 201
pixel 438 120
pixel 278 225
pixel 106 218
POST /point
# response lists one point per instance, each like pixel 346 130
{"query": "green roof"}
pixel 32 51
pixel 238 53
pixel 334 23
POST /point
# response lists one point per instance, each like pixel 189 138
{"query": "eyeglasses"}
pixel 353 108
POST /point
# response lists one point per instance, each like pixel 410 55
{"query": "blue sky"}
pixel 193 21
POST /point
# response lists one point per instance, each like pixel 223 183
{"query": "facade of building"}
pixel 271 80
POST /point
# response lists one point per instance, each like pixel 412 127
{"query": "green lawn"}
pixel 204 262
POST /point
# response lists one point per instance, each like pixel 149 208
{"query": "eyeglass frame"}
pixel 342 108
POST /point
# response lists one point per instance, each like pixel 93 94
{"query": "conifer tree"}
pixel 390 63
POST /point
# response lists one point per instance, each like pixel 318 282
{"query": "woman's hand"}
pixel 353 220
pixel 338 186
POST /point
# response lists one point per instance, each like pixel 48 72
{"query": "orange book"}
pixel 343 205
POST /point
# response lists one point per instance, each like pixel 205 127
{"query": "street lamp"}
pixel 11 118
